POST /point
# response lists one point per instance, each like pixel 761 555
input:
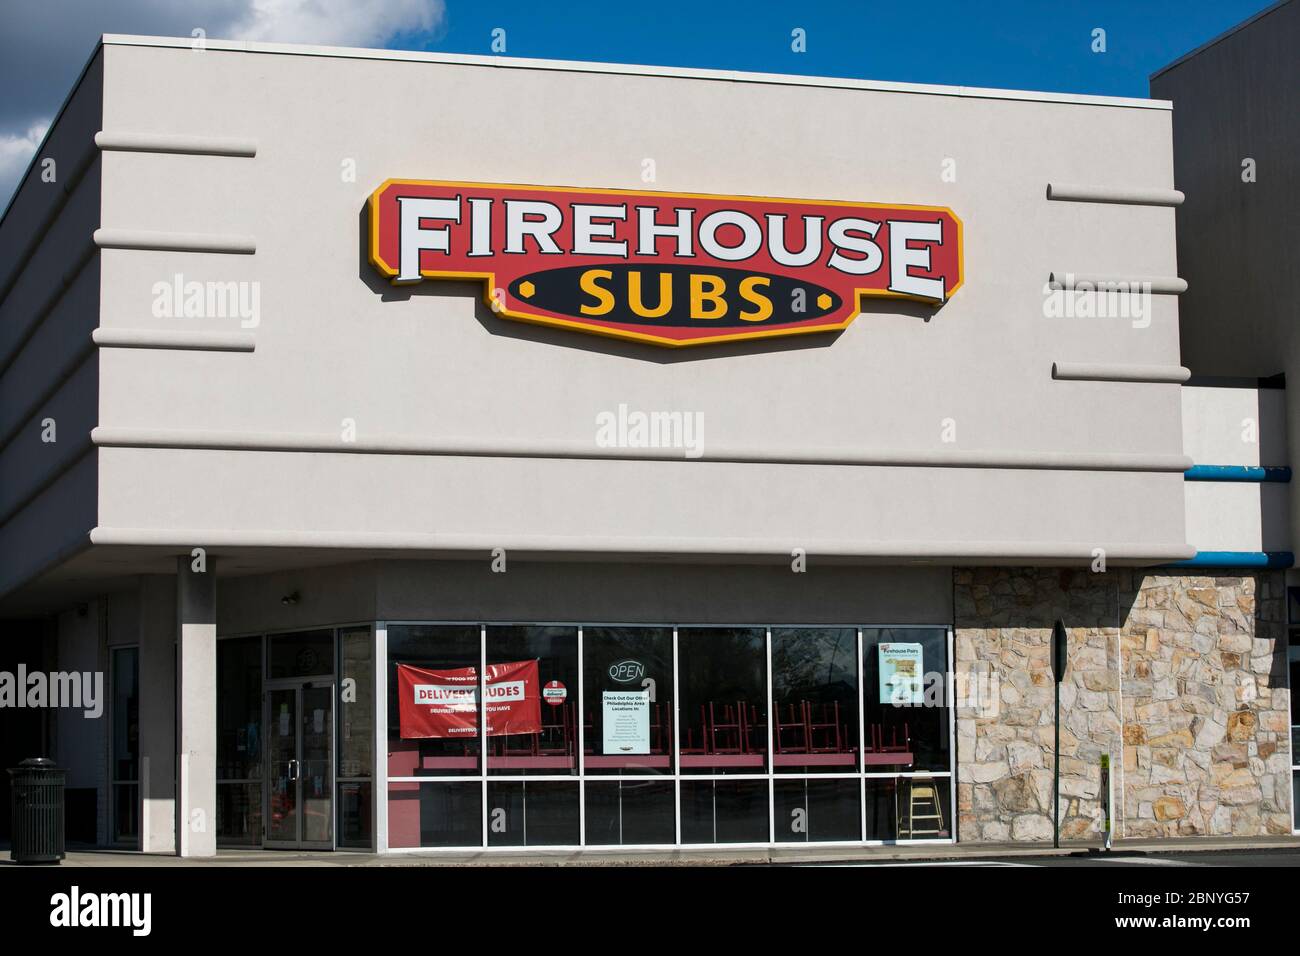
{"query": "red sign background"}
pixel 501 272
pixel 444 703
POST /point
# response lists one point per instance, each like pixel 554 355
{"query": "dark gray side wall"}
pixel 49 369
pixel 1238 99
pixel 584 592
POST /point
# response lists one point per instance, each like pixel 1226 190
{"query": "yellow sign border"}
pixel 489 278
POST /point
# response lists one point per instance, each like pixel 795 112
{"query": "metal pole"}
pixel 1059 655
pixel 1056 773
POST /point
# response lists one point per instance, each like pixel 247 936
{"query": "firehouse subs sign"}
pixel 666 268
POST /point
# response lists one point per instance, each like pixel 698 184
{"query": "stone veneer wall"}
pixel 1206 721
pixel 1004 619
pixel 1181 678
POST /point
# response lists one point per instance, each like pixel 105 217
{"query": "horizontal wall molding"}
pixel 496 448
pixel 1085 372
pixel 1237 559
pixel 1251 473
pixel 174 241
pixel 175 143
pixel 179 340
pixel 1081 552
pixel 1156 285
pixel 1127 195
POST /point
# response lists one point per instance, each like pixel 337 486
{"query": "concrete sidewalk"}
pixel 693 857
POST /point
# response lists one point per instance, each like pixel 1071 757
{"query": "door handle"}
pixel 293 769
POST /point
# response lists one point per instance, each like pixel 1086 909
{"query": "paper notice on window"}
pixel 900 674
pixel 625 720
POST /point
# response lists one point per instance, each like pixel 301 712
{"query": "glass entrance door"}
pixel 316 759
pixel 282 794
pixel 300 765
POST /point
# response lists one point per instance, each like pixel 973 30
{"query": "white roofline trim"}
pixel 579 66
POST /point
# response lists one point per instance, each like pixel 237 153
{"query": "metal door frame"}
pixel 298 685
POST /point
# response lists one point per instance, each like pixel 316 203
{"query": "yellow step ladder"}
pixel 923 807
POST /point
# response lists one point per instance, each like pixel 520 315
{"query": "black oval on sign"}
pixel 698 297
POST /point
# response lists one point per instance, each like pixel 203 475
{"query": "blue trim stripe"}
pixel 1266 473
pixel 1237 559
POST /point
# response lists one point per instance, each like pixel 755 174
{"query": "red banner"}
pixel 444 703
pixel 666 268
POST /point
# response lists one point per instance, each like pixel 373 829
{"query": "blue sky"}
pixel 1013 44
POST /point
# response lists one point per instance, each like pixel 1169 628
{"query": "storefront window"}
pixel 627 693
pixel 881 808
pixel 126 745
pixel 844 739
pixel 905 713
pixel 924 809
pixel 723 685
pixel 532 700
pixel 436 735
pixel 1293 659
pixel 815 700
pixel 302 654
pixel 1295 790
pixel 630 813
pixel 532 813
pixel 1293 666
pixel 433 731
pixel 817 810
pixel 724 811
pixel 356 735
pixel 239 741
pixel 532 731
pixel 435 814
pixel 905 699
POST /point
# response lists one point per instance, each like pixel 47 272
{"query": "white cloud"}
pixel 16 151
pixel 335 22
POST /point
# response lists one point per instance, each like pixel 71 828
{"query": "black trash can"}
pixel 36 791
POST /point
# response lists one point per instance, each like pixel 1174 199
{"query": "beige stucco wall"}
pixel 432 365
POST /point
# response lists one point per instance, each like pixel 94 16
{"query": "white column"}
pixel 158 714
pixel 196 688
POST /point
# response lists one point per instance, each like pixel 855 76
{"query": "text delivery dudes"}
pixel 666 268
